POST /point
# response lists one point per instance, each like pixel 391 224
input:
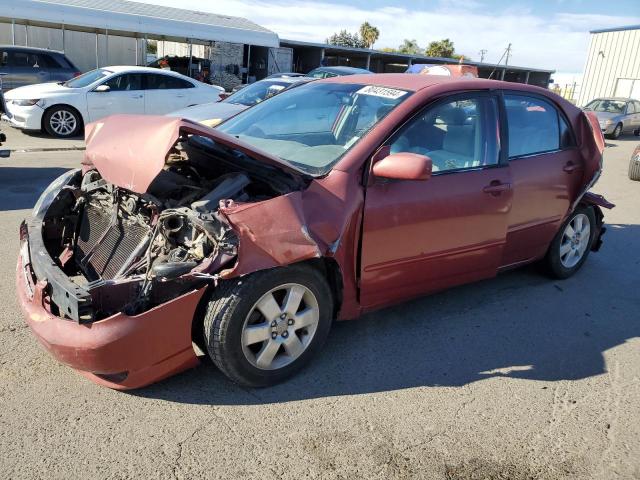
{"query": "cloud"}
pixel 558 41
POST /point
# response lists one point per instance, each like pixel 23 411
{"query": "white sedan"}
pixel 62 109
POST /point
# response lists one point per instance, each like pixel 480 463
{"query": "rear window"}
pixel 166 82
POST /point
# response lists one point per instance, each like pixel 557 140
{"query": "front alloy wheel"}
pixel 62 122
pixel 262 328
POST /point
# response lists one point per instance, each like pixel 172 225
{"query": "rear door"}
pixel 423 236
pixel 166 93
pixel 125 95
pixel 26 68
pixel 547 171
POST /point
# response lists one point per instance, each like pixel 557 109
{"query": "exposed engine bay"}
pixel 148 248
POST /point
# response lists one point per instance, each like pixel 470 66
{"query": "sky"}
pixel 549 34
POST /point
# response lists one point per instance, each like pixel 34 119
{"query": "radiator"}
pixel 101 255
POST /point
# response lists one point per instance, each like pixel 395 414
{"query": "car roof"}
pixel 29 49
pixel 288 80
pixel 133 68
pixel 617 99
pixel 414 82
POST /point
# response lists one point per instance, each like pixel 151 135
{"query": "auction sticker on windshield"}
pixel 383 92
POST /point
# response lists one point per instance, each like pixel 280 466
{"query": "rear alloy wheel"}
pixel 62 122
pixel 262 328
pixel 634 168
pixel 572 243
pixel 617 131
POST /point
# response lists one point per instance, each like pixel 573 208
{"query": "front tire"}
pixel 262 328
pixel 616 132
pixel 62 122
pixel 571 245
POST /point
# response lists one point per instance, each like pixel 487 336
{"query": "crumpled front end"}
pixel 117 256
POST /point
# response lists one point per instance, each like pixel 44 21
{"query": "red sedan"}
pixel 327 201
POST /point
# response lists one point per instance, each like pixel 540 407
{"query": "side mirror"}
pixel 404 166
pixel 102 88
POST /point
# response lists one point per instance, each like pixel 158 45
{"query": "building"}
pixel 307 55
pixel 97 33
pixel 613 64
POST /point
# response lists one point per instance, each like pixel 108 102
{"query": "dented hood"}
pixel 130 150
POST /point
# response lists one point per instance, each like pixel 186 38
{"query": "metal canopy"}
pixel 133 19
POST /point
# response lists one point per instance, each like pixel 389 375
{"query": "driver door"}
pixel 125 95
pixel 422 236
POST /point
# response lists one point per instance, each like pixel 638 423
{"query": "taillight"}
pixel 76 74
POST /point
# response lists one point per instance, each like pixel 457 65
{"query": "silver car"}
pixel 27 66
pixel 616 115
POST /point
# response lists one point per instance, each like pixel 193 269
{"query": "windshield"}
pixel 312 126
pixel 87 79
pixel 256 92
pixel 607 106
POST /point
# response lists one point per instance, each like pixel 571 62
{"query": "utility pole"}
pixel 507 55
pixel 482 52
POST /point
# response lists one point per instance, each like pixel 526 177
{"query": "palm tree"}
pixel 369 34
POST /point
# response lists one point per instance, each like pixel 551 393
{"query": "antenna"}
pixel 508 54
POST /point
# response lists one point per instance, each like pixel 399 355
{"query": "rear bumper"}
pixel 120 352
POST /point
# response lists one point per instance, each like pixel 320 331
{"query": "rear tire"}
pixel 572 244
pixel 62 121
pixel 634 168
pixel 258 342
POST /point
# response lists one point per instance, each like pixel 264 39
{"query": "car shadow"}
pixel 20 187
pixel 519 325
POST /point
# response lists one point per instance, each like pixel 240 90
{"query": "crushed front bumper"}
pixel 121 352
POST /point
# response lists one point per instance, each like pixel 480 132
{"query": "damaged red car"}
pixel 330 200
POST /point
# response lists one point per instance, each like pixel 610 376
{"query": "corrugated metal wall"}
pixel 613 66
pixel 80 47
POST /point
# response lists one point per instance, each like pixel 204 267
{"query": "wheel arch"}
pixel 327 266
pixel 56 105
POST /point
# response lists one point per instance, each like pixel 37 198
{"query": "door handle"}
pixel 496 187
pixel 180 96
pixel 570 167
pixel 136 96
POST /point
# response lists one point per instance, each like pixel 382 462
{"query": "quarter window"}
pixel 535 126
pixel 456 135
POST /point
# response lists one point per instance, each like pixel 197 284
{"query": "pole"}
pixel 526 78
pixel 106 33
pixel 136 40
pixel 97 61
pixel 248 63
pixel 508 54
pixel 483 52
pixel 504 70
pixel 13 31
pixel 368 61
pixel 63 38
pixel 190 57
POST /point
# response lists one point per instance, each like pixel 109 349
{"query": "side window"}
pixel 631 108
pixel 48 62
pixel 24 60
pixel 566 137
pixel 4 58
pixel 165 82
pixel 534 125
pixel 126 82
pixel 455 135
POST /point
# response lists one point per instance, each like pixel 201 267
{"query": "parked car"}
pixel 616 115
pixel 286 75
pixel 329 72
pixel 3 137
pixel 62 108
pixel 326 201
pixel 634 164
pixel 28 65
pixel 212 114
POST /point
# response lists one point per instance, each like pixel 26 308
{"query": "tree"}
pixel 346 39
pixel 441 48
pixel 410 47
pixel 368 34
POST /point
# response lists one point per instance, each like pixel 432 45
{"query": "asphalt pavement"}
pixel 518 377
